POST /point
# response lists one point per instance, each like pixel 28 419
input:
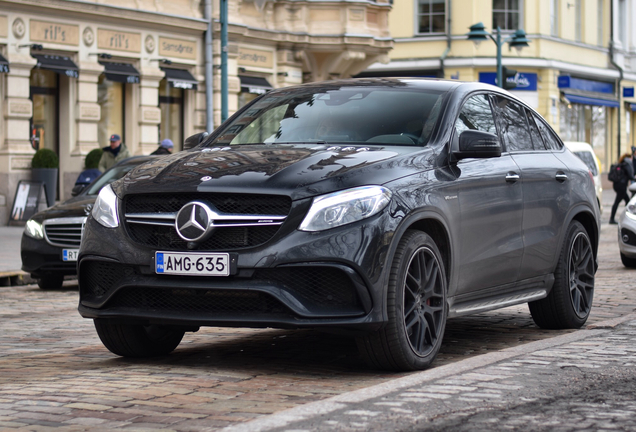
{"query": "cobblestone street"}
pixel 54 371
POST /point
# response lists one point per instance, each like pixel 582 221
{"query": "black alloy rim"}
pixel 581 266
pixel 423 301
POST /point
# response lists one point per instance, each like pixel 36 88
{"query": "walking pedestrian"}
pixel 113 153
pixel 165 148
pixel 624 174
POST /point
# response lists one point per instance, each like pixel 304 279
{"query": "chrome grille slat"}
pixel 65 232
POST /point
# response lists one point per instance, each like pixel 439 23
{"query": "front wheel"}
pixel 416 307
pixel 627 261
pixel 51 282
pixel 135 340
pixel 569 303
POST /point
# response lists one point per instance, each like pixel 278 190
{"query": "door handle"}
pixel 512 177
pixel 561 177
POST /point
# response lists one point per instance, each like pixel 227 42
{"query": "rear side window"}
pixel 513 126
pixel 549 137
pixel 476 115
pixel 537 140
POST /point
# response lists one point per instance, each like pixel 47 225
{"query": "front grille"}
pixel 322 286
pixel 99 277
pixel 192 301
pixel 61 232
pixel 142 226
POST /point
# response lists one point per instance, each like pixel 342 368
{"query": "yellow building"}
pixel 566 73
pixel 72 73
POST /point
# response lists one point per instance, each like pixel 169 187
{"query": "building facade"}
pixel 579 70
pixel 72 73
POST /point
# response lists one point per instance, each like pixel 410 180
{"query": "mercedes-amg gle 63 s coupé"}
pixel 379 207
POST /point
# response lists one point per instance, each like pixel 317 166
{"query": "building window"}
pixel 44 94
pixel 171 105
pixel 601 21
pixel 622 24
pixel 111 100
pixel 554 18
pixel 505 14
pixel 431 16
pixel 578 20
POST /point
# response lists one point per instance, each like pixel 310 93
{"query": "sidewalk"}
pixel 10 261
pixel 580 380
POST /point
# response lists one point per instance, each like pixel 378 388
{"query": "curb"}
pixel 15 278
pixel 322 407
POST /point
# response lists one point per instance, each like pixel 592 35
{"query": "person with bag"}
pixel 620 175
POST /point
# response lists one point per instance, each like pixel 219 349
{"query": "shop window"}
pixel 505 14
pixel 44 123
pixel 171 105
pixel 587 123
pixel 111 99
pixel 431 16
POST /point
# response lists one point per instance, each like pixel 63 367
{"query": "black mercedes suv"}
pixel 380 207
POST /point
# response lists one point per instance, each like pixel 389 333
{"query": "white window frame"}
pixel 554 18
pixel 417 19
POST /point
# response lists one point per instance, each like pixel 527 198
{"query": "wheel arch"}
pixel 587 219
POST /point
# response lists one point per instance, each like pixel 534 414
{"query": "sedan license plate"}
pixel 192 264
pixel 69 254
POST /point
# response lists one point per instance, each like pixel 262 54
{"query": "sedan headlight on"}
pixel 344 207
pixel 105 208
pixel 34 229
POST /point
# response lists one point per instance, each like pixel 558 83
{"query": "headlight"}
pixel 630 211
pixel 344 207
pixel 34 229
pixel 105 208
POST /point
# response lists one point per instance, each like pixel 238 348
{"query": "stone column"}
pixel 149 112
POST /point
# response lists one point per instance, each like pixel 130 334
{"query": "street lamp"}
pixel 518 41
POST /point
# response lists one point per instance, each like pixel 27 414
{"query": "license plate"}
pixel 192 264
pixel 69 254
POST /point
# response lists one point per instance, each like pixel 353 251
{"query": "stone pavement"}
pixel 564 383
pixel 56 375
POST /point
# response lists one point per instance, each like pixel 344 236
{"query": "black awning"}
pixel 120 72
pixel 180 78
pixel 62 65
pixel 4 64
pixel 254 85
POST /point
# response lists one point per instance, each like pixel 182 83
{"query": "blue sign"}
pixel 628 91
pixel 568 82
pixel 525 81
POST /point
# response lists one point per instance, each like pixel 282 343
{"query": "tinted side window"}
pixel 551 141
pixel 513 126
pixel 476 115
pixel 537 140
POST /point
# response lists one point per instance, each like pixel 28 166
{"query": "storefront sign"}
pixel 19 107
pixel 177 48
pixel 89 112
pixel 3 26
pixel 151 114
pixel 568 82
pixel 525 81
pixel 120 41
pixel 628 92
pixel 258 58
pixel 42 31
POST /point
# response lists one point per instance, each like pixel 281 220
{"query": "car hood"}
pixel 298 171
pixel 75 207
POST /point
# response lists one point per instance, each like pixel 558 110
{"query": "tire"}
pixel 628 262
pixel 570 301
pixel 135 340
pixel 50 282
pixel 417 284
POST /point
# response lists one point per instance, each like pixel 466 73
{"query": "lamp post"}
pixel 518 41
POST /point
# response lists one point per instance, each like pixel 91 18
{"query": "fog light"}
pixel 625 238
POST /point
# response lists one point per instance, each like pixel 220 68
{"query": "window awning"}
pixel 254 85
pixel 4 64
pixel 180 78
pixel 587 100
pixel 58 64
pixel 121 72
pixel 632 107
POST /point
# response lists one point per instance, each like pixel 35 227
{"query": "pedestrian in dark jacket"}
pixel 165 148
pixel 620 184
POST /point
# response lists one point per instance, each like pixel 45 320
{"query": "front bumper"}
pixel 334 278
pixel 40 258
pixel 627 235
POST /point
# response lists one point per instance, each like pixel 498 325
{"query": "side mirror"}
pixel 77 189
pixel 194 140
pixel 478 144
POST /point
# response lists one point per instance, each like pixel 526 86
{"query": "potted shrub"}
pixel 44 167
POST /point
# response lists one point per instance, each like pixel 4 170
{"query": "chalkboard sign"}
pixel 27 197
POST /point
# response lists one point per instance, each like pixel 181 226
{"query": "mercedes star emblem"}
pixel 193 221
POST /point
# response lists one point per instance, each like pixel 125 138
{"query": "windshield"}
pixel 347 115
pixel 115 173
